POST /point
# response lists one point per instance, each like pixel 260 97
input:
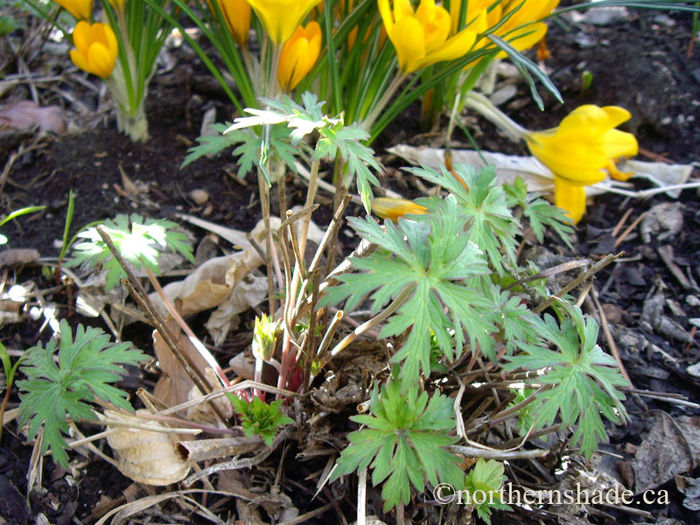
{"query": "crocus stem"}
pixel 487 109
pixel 368 121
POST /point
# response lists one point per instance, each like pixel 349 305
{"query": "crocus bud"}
pixel 299 55
pixel 237 15
pixel 80 9
pixel 389 208
pixel 96 48
pixel 264 337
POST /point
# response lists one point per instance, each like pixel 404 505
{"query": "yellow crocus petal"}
pixel 100 60
pixel 617 174
pixel 281 17
pixel 578 161
pixel 96 48
pixel 407 37
pixel 616 115
pixel 299 55
pixel 388 208
pixel 436 24
pixel 570 198
pixel 80 9
pixel 618 143
pixel 117 4
pixel 237 16
pixel 592 121
pixel 455 47
pixel 79 60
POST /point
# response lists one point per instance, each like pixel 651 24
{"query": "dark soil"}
pixel 639 63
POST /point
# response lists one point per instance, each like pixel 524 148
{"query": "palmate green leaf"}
pixel 347 142
pixel 583 381
pixel 520 327
pixel 404 443
pixel 483 203
pixel 486 477
pixel 211 144
pixel 54 391
pixel 434 259
pixel 539 212
pixel 139 241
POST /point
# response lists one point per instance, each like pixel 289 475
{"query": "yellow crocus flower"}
pixel 80 9
pixel 390 208
pixel 281 17
pixel 522 28
pixel 96 48
pixel 580 150
pixel 299 55
pixel 237 15
pixel 423 36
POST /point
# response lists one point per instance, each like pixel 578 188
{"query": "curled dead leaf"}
pixel 146 456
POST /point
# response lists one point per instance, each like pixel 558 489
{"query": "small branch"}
pixel 135 288
pixel 395 305
pixel 497 454
pixel 581 278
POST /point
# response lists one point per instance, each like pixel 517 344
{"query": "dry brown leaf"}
pixel 147 456
pixel 174 385
pixel 203 412
pixel 671 447
pixel 17 256
pixel 26 115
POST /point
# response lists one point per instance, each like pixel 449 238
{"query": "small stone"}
pixel 692 300
pixel 199 196
pixel 664 20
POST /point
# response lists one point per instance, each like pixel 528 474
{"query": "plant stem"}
pixel 395 305
pixel 487 109
pixel 368 121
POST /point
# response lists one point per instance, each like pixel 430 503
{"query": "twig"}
pixel 629 229
pixel 608 336
pixel 362 497
pixel 581 278
pixel 308 515
pixel 134 287
pixel 622 222
pixel 198 345
pixel 395 305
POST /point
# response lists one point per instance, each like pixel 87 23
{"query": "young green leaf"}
pixel 583 381
pixel 539 212
pixel 404 441
pixel 259 418
pixel 139 242
pixel 483 203
pixel 55 390
pixel 486 477
pixel 348 144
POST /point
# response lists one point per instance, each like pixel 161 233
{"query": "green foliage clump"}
pixel 487 478
pixel 58 387
pixel 259 418
pixel 582 382
pixel 404 441
pixel 138 240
